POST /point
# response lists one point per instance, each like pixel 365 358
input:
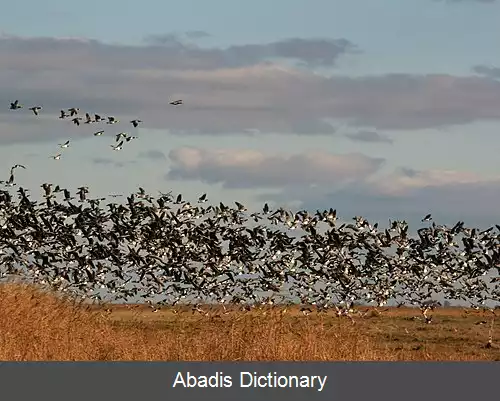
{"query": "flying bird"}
pixel 120 135
pixel 76 120
pixel 112 120
pixel 176 102
pixel 73 111
pixel 427 218
pixel 98 133
pixel 118 147
pixel 56 157
pixel 36 109
pixel 15 105
pixel 64 145
pixel 16 166
pixel 135 123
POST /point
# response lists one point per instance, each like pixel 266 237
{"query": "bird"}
pixel 98 133
pixel 120 135
pixel 63 114
pixel 76 120
pixel 112 120
pixel 427 218
pixel 35 109
pixel 56 157
pixel 88 119
pixel 73 111
pixel 118 147
pixel 17 166
pixel 135 123
pixel 64 145
pixel 176 102
pixel 15 105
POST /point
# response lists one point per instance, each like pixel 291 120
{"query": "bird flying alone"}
pixel 36 109
pixel 15 105
pixel 427 218
pixel 176 102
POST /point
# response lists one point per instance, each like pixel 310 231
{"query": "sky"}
pixel 386 109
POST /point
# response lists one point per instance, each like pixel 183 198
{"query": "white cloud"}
pixel 241 168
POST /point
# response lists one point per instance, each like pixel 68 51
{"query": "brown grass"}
pixel 36 325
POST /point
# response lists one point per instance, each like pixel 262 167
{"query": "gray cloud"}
pixel 106 161
pixel 406 194
pixel 491 72
pixel 197 34
pixel 153 155
pixel 238 168
pixel 227 91
pixel 369 136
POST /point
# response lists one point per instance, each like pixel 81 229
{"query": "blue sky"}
pixel 372 107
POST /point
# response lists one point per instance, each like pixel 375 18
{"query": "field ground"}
pixel 40 326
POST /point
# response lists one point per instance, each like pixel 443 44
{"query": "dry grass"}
pixel 35 325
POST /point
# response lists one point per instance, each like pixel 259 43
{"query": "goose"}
pixel 11 182
pixel 36 109
pixel 56 157
pixel 17 166
pixel 76 120
pixel 64 145
pixel 427 218
pixel 118 147
pixel 121 135
pixel 63 114
pixel 135 123
pixel 73 111
pixel 112 120
pixel 98 133
pixel 176 102
pixel 15 105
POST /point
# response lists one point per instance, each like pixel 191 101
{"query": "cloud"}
pixel 106 161
pixel 491 72
pixel 369 136
pixel 241 168
pixel 228 91
pixel 175 40
pixel 153 155
pixel 406 194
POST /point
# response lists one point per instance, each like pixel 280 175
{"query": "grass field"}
pixel 35 325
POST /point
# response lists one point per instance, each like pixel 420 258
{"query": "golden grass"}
pixel 36 325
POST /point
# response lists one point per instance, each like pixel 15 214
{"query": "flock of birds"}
pixel 167 250
pixel 73 114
